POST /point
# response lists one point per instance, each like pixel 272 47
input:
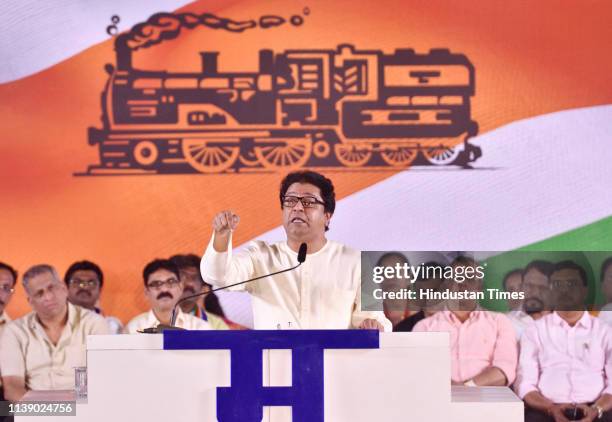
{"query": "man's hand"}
pixel 590 413
pixel 371 324
pixel 223 224
pixel 556 411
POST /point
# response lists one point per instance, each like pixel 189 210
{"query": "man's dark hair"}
pixel 159 264
pixel 187 261
pixel 10 269
pixel 324 184
pixel 84 266
pixel 571 265
pixel 604 268
pixel 464 260
pixel 543 267
pixel 511 273
pixel 388 255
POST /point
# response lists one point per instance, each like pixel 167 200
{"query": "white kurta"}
pixel 149 320
pixel 323 293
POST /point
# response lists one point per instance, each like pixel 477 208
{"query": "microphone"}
pixel 300 258
pixel 302 252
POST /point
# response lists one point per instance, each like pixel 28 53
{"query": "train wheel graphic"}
pixel 399 155
pixel 278 154
pixel 207 158
pixel 441 155
pixel 145 153
pixel 353 155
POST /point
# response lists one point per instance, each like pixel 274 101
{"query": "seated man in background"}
pixel 483 344
pixel 189 270
pixel 163 288
pixel 395 309
pixel 566 356
pixel 84 280
pixel 428 307
pixel 606 289
pixel 512 283
pixel 536 285
pixel 40 350
pixel 8 279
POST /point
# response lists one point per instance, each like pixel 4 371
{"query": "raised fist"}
pixel 225 222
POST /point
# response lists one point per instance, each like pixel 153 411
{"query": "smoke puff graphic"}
pixel 167 26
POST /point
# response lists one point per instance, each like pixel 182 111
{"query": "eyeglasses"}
pixel 7 289
pixel 83 283
pixel 157 284
pixel 307 201
pixel 565 284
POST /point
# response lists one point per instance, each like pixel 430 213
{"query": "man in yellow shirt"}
pixel 40 350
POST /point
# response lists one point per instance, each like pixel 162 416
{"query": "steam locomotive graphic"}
pixel 342 107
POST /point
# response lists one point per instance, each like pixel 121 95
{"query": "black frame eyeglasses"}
pixel 291 201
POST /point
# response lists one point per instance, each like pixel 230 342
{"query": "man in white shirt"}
pixel 163 288
pixel 8 279
pixel 85 280
pixel 323 293
pixel 40 350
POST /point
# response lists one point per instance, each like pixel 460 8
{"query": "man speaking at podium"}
pixel 322 293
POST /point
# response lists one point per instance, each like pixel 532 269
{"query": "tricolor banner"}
pixel 126 126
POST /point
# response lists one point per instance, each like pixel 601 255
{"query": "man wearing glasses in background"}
pixel 40 350
pixel 8 278
pixel 163 288
pixel 323 293
pixel 84 280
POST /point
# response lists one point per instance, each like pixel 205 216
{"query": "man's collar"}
pixel 585 320
pixel 152 320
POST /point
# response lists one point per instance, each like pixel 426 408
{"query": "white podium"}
pixel 132 378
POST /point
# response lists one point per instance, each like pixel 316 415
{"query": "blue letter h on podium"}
pixel 245 399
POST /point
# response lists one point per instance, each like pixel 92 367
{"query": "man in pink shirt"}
pixel 483 344
pixel 566 357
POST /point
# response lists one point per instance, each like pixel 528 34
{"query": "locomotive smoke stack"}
pixel 209 62
pixel 123 52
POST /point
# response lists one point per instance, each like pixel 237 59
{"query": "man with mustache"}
pixel 40 350
pixel 84 280
pixel 565 364
pixel 323 293
pixel 163 288
pixel 207 306
pixel 536 285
